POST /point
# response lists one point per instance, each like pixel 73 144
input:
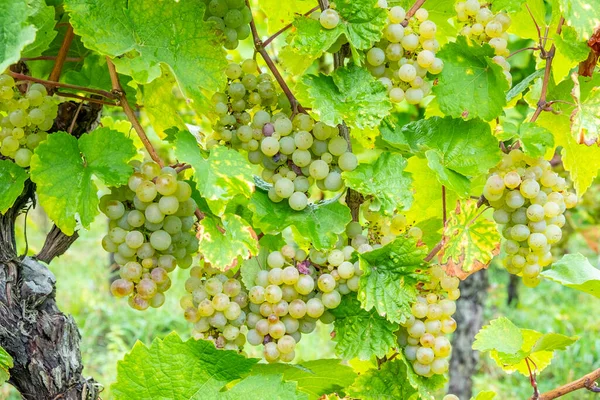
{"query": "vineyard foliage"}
pixel 343 162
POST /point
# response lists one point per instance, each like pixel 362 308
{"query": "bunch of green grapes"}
pixel 295 153
pixel 529 201
pixel 217 305
pixel 151 232
pixel 25 119
pixel 232 17
pixel 298 289
pixel 405 56
pixel 425 335
pixel 481 25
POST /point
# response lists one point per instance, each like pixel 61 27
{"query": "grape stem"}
pixel 444 219
pixel 587 381
pixel 118 91
pixel 50 58
pixel 259 46
pixel 62 54
pixel 74 120
pixel 285 28
pixel 534 48
pixel 88 99
pixel 52 84
pixel 418 4
pixel 542 104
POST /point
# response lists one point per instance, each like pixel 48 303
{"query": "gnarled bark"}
pixel 469 318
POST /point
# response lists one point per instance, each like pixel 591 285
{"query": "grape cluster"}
pixel 529 201
pixel 232 17
pixel 402 59
pixel 151 232
pixel 25 119
pixel 295 153
pixel 424 337
pixel 285 301
pixel 481 25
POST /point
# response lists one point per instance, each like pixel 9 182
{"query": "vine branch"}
pixel 51 85
pixel 62 54
pixel 122 101
pixel 259 46
pixel 411 11
pixel 587 381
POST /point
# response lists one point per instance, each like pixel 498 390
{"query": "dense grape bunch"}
pixel 296 153
pixel 25 119
pixel 529 201
pixel 424 338
pixel 481 25
pixel 150 232
pixel 232 17
pixel 405 58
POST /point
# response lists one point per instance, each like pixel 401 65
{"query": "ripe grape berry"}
pixel 529 201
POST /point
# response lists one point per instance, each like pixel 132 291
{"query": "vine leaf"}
pixel 222 249
pixel 62 168
pixel 535 140
pixel 469 241
pixel 361 333
pixel 570 46
pixel 12 182
pixel 582 162
pixel 391 274
pixel 220 177
pixel 41 17
pixel 389 382
pixel 471 85
pixel 278 16
pixel 585 118
pixel 581 15
pixel 510 346
pixel 361 24
pixel 576 272
pixel 315 378
pixel 193 370
pixel 16 31
pixel 320 223
pixel 350 95
pixel 144 34
pixel 455 149
pixel 484 395
pixel 385 180
pixel 507 5
pixel 6 363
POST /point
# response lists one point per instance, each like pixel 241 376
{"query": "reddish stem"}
pixel 62 55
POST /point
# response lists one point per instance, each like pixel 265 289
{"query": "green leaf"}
pixel 361 23
pixel 177 370
pixel 41 17
pixel 250 267
pixel 6 363
pixel 535 140
pixel 389 382
pixel 576 272
pixel 161 107
pixel 222 249
pixel 581 161
pixel 471 85
pixel 522 24
pixel 62 168
pixel 143 34
pixel 12 182
pixel 484 395
pixel 470 240
pixel 314 378
pixel 320 223
pixel 361 333
pixel 462 148
pixel 582 15
pixel 500 335
pixel 384 180
pixel 553 341
pixel 509 6
pixel 222 176
pixel 278 16
pixel 570 46
pixel 524 84
pixel 391 274
pixel 426 387
pixel 585 118
pixel 351 95
pixel 16 31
